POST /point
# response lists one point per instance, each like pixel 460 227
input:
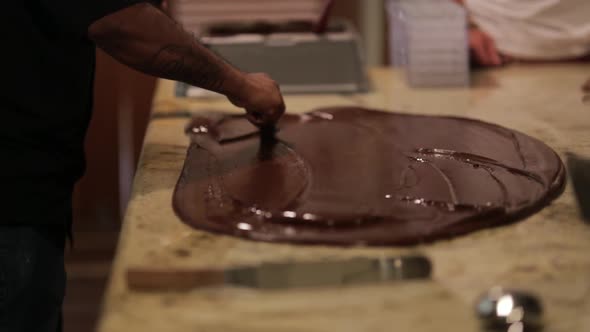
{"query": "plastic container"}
pixel 429 40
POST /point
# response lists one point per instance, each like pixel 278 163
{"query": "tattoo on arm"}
pixel 183 63
pixel 146 39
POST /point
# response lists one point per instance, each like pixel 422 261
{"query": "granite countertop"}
pixel 548 253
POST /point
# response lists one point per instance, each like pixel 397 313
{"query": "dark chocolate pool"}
pixel 352 176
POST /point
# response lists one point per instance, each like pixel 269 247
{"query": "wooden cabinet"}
pixel 122 99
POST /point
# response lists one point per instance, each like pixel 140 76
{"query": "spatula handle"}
pixel 322 24
pixel 147 279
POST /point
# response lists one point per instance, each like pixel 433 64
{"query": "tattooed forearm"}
pixel 191 64
pixel 146 39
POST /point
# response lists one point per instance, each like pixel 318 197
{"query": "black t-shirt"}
pixel 47 65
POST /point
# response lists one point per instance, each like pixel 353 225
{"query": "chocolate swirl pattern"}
pixel 353 176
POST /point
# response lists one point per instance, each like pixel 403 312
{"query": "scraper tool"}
pixel 284 275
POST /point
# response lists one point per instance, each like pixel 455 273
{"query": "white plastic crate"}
pixel 429 40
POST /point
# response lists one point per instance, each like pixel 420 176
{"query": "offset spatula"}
pixel 284 275
pixel 579 170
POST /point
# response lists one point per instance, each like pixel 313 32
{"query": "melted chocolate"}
pixel 350 176
pixel 266 28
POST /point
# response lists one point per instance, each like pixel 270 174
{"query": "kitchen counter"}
pixel 548 253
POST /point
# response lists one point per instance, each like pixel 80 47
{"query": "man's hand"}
pixel 146 39
pixel 484 48
pixel 261 96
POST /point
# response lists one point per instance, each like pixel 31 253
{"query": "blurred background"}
pixel 121 111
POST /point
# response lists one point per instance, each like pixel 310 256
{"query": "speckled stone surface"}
pixel 548 254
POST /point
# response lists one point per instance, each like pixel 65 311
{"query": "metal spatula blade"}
pixel 285 275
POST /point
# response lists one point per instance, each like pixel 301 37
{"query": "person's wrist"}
pixel 236 85
pixel 471 25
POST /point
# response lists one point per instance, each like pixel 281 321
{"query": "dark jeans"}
pixel 32 278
